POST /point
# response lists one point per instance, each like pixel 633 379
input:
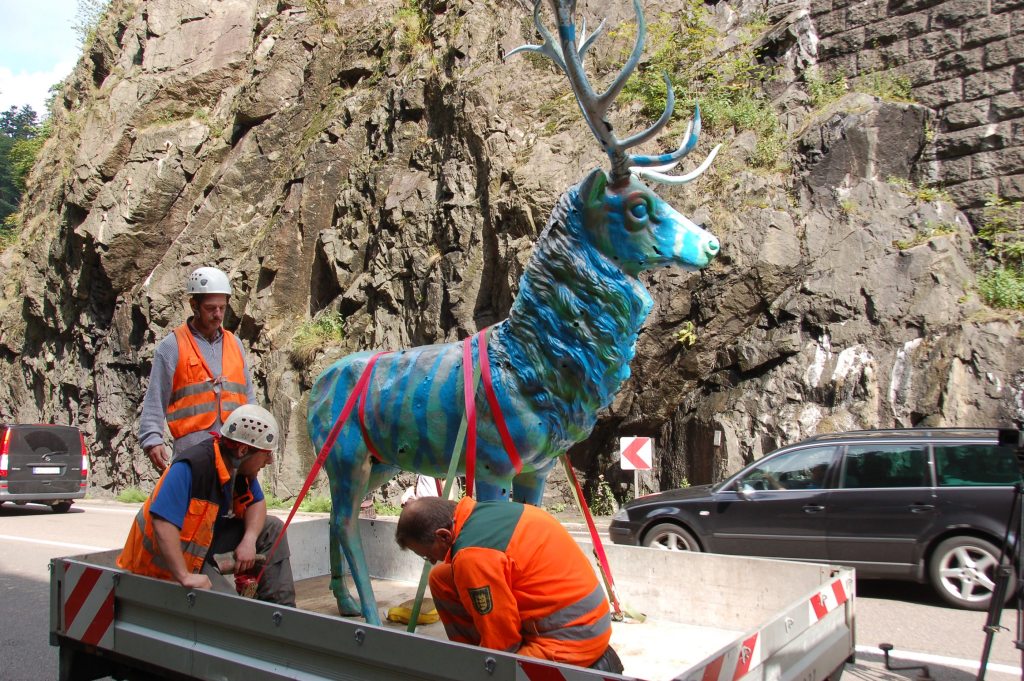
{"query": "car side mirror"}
pixel 745 489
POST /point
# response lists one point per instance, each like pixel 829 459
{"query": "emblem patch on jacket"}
pixel 481 598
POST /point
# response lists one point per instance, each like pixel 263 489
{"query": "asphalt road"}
pixel 908 616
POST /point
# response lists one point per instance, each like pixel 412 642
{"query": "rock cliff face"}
pixel 381 161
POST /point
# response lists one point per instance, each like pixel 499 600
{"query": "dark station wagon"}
pixel 43 463
pixel 928 505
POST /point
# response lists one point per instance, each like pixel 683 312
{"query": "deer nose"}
pixel 711 247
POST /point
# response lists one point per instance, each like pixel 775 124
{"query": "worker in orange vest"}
pixel 509 577
pixel 199 375
pixel 209 502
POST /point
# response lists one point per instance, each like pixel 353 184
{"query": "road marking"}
pixel 940 659
pixel 76 547
pixel 103 509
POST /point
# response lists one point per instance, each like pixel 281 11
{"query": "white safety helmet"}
pixel 252 425
pixel 208 280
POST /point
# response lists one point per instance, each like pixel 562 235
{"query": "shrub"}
pixel 603 502
pixel 316 334
pixel 823 92
pixel 132 495
pixel 1002 230
pixel 1003 288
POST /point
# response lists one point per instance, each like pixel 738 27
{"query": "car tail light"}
pixel 85 462
pixel 5 445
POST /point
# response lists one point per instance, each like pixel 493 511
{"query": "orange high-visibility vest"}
pixel 515 580
pixel 141 554
pixel 195 401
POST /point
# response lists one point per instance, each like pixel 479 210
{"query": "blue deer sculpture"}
pixel 559 357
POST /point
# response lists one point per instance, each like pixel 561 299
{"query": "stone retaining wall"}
pixel 965 60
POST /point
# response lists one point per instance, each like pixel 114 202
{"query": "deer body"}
pixel 558 359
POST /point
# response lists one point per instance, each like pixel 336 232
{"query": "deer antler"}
pixel 595 107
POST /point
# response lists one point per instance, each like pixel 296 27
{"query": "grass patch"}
pixel 920 192
pixel 384 508
pixel 887 85
pixel 316 334
pixel 311 504
pixel 929 231
pixel 132 495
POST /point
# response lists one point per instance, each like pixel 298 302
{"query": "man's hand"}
pixel 158 455
pixel 245 555
pixel 198 581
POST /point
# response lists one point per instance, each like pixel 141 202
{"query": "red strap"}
pixel 492 400
pixel 364 379
pixel 362 409
pixel 469 397
pixel 602 557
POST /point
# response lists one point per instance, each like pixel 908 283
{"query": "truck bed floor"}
pixel 656 650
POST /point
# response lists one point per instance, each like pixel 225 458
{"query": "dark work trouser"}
pixel 277 585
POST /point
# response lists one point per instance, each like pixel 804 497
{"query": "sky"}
pixel 38 48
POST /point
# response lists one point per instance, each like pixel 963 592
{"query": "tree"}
pixel 20 139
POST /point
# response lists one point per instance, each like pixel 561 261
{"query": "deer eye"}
pixel 638 213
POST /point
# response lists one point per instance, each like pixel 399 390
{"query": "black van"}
pixel 921 504
pixel 43 463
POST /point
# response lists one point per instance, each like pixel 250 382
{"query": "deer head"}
pixel 628 221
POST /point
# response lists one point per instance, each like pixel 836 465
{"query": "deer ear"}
pixel 592 189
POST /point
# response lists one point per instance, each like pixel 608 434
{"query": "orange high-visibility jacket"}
pixel 141 554
pixel 195 398
pixel 527 585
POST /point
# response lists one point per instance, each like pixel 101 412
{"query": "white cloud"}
pixel 38 48
pixel 32 88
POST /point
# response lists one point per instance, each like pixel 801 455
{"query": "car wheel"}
pixel 670 537
pixel 61 507
pixel 963 572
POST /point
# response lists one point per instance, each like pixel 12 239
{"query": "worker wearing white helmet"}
pixel 200 373
pixel 207 505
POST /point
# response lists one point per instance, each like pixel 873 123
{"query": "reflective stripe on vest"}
pixel 197 396
pixel 556 624
pixel 141 554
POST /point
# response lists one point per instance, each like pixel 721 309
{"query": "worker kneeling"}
pixel 510 577
pixel 209 502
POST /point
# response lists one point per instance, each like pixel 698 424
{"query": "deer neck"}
pixel 573 326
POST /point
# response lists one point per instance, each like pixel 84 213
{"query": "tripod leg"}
pixel 1004 575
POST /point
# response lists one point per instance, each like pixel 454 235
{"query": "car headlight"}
pixel 621 515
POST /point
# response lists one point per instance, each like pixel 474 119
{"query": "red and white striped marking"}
pixel 828 599
pixel 732 664
pixel 87 607
pixel 538 671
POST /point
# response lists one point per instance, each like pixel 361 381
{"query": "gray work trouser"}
pixel 277 585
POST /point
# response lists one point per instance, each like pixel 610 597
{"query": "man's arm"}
pixel 255 519
pixel 168 539
pixel 482 583
pixel 154 405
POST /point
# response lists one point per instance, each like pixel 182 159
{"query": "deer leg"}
pixel 349 472
pixel 528 487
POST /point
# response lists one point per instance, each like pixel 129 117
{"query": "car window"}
pixel 976 465
pixel 801 469
pixel 885 466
